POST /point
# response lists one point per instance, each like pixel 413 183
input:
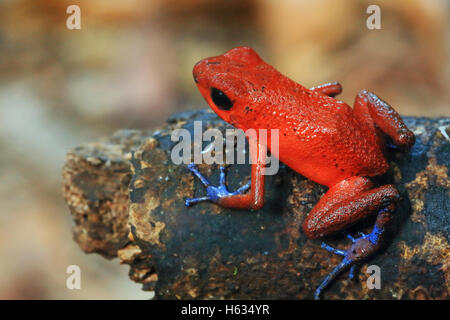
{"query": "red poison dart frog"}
pixel 322 138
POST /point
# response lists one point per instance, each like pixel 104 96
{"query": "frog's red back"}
pixel 319 136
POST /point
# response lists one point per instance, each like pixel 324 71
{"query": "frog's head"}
pixel 227 81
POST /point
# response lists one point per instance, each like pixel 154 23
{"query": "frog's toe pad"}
pixel 190 201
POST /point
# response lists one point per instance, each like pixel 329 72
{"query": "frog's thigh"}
pixel 345 203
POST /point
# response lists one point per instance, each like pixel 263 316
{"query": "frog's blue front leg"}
pixel 213 193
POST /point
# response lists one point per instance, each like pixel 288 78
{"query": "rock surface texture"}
pixel 126 198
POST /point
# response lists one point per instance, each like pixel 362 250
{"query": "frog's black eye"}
pixel 220 99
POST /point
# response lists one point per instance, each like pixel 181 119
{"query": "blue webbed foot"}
pixel 213 193
pixel 361 248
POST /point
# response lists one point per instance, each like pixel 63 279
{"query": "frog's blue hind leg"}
pixel 348 261
pixel 361 248
pixel 338 269
pixel 337 210
pixel 213 193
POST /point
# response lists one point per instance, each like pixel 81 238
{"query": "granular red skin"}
pixel 320 137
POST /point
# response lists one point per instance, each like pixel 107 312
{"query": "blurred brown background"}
pixel 130 66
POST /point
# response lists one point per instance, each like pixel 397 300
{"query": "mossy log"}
pixel 126 198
